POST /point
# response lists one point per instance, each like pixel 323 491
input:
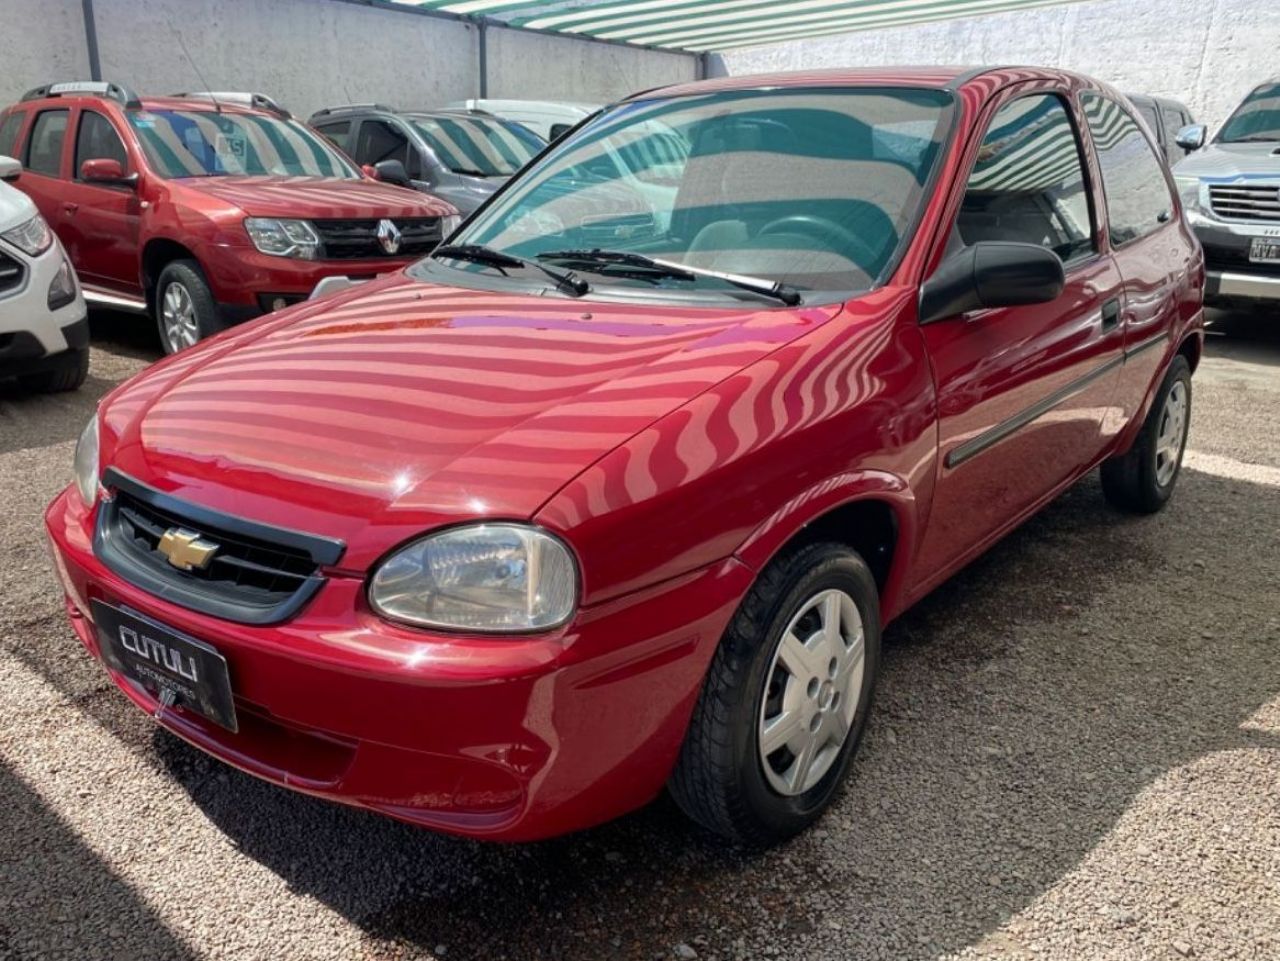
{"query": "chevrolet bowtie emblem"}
pixel 185 550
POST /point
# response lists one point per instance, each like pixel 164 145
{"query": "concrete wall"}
pixel 1206 53
pixel 30 57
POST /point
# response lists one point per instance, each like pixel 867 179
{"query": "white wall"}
pixel 53 50
pixel 1206 53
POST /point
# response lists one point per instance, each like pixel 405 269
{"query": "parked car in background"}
pixel 44 335
pixel 549 119
pixel 506 542
pixel 1231 191
pixel 462 156
pixel 202 211
pixel 1165 117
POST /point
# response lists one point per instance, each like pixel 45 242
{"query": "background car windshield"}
pixel 1258 118
pixel 202 143
pixel 480 147
pixel 814 188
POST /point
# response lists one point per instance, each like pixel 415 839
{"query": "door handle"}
pixel 69 208
pixel 1110 314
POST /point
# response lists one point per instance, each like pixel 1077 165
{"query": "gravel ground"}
pixel 1075 755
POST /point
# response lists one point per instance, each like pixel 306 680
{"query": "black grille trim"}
pixel 262 575
pixel 12 273
pixel 358 239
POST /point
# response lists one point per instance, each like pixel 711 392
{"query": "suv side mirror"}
pixel 10 169
pixel 1192 136
pixel 104 170
pixel 991 274
pixel 392 172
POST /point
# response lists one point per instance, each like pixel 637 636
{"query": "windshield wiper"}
pixel 566 280
pixel 670 268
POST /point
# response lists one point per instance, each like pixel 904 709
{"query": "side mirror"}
pixel 991 274
pixel 392 172
pixel 10 169
pixel 1192 136
pixel 104 170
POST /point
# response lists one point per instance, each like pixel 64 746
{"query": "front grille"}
pixel 11 273
pixel 358 239
pixel 258 575
pixel 1245 201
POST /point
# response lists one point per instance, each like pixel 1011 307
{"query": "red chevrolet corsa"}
pixel 585 505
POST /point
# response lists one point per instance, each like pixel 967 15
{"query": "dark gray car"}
pixel 1165 117
pixel 461 156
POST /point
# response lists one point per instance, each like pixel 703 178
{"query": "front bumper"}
pixel 1230 277
pixel 31 335
pixel 511 739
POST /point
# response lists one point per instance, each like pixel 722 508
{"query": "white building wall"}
pixel 40 41
pixel 1206 53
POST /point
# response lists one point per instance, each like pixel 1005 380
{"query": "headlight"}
pixel 62 290
pixel 1189 192
pixel 86 462
pixel 484 577
pixel 448 225
pixel 283 238
pixel 33 237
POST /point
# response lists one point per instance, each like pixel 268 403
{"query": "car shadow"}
pixel 1251 337
pixel 1023 707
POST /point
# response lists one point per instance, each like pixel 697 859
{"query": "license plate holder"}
pixel 1264 250
pixel 170 665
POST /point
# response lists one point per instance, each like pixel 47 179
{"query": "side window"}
pixel 1028 183
pixel 336 133
pixel 1149 117
pixel 381 141
pixel 97 140
pixel 1173 122
pixel 44 146
pixel 1138 198
pixel 9 133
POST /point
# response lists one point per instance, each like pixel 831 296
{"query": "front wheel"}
pixel 185 309
pixel 1142 480
pixel 67 372
pixel 785 701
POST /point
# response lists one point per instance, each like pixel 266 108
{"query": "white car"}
pixel 547 118
pixel 44 331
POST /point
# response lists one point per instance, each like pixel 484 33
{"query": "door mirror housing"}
pixel 105 170
pixel 10 169
pixel 991 274
pixel 392 172
pixel 1192 136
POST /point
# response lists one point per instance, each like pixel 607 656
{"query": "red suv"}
pixel 563 514
pixel 205 210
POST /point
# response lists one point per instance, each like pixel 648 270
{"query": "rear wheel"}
pixel 68 372
pixel 1142 480
pixel 785 701
pixel 185 309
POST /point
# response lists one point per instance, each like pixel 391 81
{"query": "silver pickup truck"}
pixel 1231 192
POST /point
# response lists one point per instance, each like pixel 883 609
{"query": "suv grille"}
pixel 11 273
pixel 358 239
pixel 1245 201
pixel 259 574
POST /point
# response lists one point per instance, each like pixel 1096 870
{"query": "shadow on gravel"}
pixel 1023 707
pixel 1249 336
pixel 60 899
pixel 126 334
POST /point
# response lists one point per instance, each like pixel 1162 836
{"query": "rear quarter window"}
pixel 9 128
pixel 1138 197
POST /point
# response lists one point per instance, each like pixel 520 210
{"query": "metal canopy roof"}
pixel 702 26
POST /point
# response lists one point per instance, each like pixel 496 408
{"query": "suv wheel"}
pixel 68 373
pixel 185 309
pixel 785 700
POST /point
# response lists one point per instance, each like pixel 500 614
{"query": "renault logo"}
pixel 388 236
pixel 185 550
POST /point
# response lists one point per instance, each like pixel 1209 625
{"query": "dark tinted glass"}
pixel 381 141
pixel 336 133
pixel 1028 184
pixel 44 146
pixel 1138 198
pixel 98 140
pixel 9 133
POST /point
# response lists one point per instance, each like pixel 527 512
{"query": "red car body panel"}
pixel 108 230
pixel 675 449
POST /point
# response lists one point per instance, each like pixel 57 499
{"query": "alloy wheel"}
pixel 178 318
pixel 1173 429
pixel 812 693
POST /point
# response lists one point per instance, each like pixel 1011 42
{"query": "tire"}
pixel 68 373
pixel 723 779
pixel 1141 480
pixel 185 309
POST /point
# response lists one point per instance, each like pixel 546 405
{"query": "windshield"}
pixel 1258 118
pixel 478 146
pixel 814 189
pixel 204 143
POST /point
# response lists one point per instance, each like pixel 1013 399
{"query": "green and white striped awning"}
pixel 714 25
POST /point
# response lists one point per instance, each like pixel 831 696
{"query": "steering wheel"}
pixel 834 236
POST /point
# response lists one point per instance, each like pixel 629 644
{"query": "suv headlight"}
pixel 1189 192
pixel 448 225
pixel 33 237
pixel 482 577
pixel 283 238
pixel 86 462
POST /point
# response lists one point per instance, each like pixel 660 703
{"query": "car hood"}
pixel 395 407
pixel 318 197
pixel 1230 160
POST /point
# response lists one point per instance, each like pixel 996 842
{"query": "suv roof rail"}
pixel 102 88
pixel 343 108
pixel 240 98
